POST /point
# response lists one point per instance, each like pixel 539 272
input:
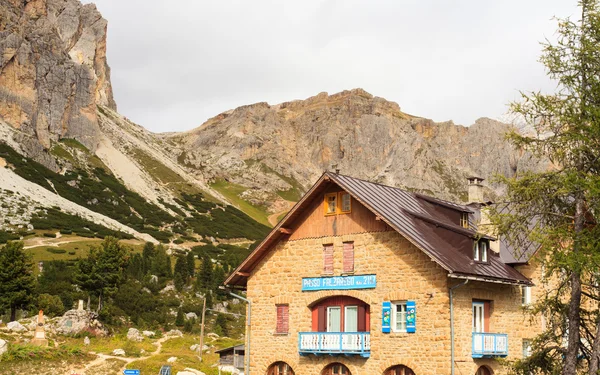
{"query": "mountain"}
pixel 60 132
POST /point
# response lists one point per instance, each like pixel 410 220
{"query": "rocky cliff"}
pixel 53 71
pixel 272 148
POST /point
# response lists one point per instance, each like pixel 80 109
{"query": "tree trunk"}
pixel 574 313
pixel 13 313
pixel 593 368
pixel 99 302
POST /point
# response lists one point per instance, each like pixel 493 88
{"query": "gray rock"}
pixel 15 327
pixel 3 347
pixel 194 347
pixel 86 341
pixel 191 315
pixel 153 278
pixel 134 335
pixel 172 359
pixel 118 352
pixel 174 332
pixel 73 321
pixel 148 333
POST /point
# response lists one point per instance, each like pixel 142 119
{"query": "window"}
pixel 280 368
pixel 525 295
pixel 336 369
pixel 334 317
pixel 464 220
pixel 283 319
pixel 399 370
pixel 399 316
pixel 351 319
pixel 348 257
pixel 345 203
pixel 331 204
pixel 328 259
pixel 483 370
pixel 480 250
pixel 526 348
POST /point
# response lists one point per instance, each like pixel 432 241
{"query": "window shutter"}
pixel 322 319
pixel 411 316
pixel 386 315
pixel 348 257
pixel 362 318
pixel 327 258
pixel 486 316
pixel 283 319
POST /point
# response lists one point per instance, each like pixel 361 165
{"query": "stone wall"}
pixel 403 273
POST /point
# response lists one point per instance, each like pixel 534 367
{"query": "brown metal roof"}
pixel 424 221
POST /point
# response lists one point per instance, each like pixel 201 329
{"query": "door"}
pixel 334 319
pixel 478 317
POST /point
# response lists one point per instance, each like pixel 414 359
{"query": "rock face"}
pixel 271 148
pixel 3 347
pixel 75 321
pixel 53 70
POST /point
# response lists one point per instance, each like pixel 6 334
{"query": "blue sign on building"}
pixel 339 282
pixel 131 372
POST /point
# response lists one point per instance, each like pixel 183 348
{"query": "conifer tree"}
pixel 148 255
pixel 558 209
pixel 180 276
pixel 191 263
pixel 17 282
pixel 179 319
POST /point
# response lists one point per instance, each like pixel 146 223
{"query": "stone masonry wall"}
pixel 403 273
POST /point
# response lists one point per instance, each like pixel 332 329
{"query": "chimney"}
pixel 475 189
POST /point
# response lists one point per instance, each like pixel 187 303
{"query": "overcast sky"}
pixel 177 63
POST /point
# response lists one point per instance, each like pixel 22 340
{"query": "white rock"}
pixel 16 327
pixel 118 352
pixel 174 332
pixel 190 371
pixel 134 335
pixel 3 346
pixel 148 333
pixel 86 341
pixel 194 347
pixel 168 288
pixel 153 278
pixel 191 315
pixel 172 359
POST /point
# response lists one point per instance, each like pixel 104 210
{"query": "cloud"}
pixel 176 64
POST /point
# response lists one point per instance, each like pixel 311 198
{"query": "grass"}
pixel 232 192
pixel 106 345
pixel 293 194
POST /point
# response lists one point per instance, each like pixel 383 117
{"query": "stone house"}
pixel 362 278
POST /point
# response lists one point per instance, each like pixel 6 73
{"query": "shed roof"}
pixel 419 218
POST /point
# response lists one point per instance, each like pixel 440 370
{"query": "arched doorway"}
pixel 399 370
pixel 336 369
pixel 483 370
pixel 280 368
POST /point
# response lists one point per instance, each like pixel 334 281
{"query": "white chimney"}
pixel 475 189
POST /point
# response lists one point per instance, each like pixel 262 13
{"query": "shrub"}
pixel 52 305
pixel 55 251
pixel 49 234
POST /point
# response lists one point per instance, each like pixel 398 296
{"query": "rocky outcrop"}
pixel 272 148
pixel 53 70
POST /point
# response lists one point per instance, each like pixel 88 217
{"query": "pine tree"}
pixel 180 319
pixel 562 204
pixel 148 255
pixel 135 268
pixel 221 325
pixel 17 282
pixel 205 281
pixel 191 263
pixel 181 273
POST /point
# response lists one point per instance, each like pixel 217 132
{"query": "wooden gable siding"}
pixel 314 223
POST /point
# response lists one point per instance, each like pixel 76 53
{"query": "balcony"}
pixel 335 343
pixel 488 345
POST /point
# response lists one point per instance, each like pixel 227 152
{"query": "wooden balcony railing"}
pixel 332 343
pixel 487 345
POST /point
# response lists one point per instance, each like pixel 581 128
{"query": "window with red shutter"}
pixel 348 257
pixel 328 259
pixel 283 319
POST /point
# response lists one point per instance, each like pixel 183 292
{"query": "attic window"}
pixel 345 203
pixel 464 220
pixel 480 250
pixel 331 204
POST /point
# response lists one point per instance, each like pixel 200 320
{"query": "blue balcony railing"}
pixel 487 345
pixel 334 343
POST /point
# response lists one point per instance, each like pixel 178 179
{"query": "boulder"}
pixel 194 347
pixel 168 288
pixel 86 341
pixel 153 278
pixel 118 352
pixel 3 346
pixel 148 333
pixel 191 315
pixel 134 335
pixel 174 332
pixel 15 327
pixel 172 359
pixel 73 321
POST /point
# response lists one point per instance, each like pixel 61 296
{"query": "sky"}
pixel 175 64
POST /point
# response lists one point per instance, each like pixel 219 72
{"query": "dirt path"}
pixel 273 218
pixel 41 241
pixel 102 358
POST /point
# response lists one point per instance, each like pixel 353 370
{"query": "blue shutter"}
pixel 411 316
pixel 386 317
